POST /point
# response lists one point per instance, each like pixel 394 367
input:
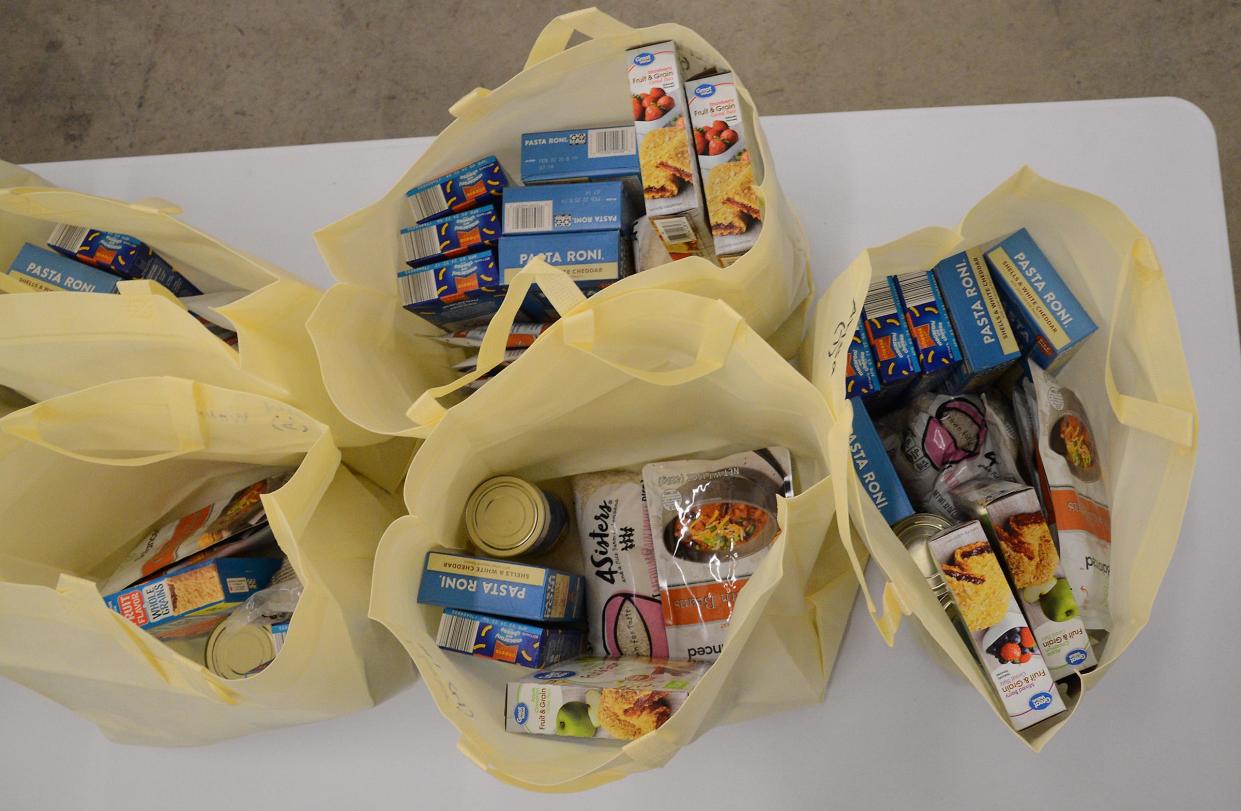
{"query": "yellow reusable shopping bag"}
pixel 618 382
pixel 377 357
pixel 84 475
pixel 54 343
pixel 1132 376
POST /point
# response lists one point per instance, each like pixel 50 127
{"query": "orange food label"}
pixel 469 238
pixel 504 653
pixel 474 190
pixel 883 347
pixel 704 602
pixel 922 335
pixel 1074 511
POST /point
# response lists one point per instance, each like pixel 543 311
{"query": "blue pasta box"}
pixel 501 588
pixel 984 335
pixel 929 325
pixel 875 470
pixel 457 293
pixel 1049 321
pixel 861 376
pixel 598 153
pixel 567 208
pixel 45 270
pixel 593 259
pixel 119 254
pixel 476 184
pixel 896 357
pixel 451 236
pixel 506 640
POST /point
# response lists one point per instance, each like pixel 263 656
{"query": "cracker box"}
pixel 1001 638
pixel 671 184
pixel 506 640
pixel 476 184
pixel 44 270
pixel 896 357
pixel 1049 321
pixel 985 338
pixel 192 601
pixel 451 236
pixel 587 154
pixel 861 376
pixel 458 293
pixel 734 209
pixel 594 259
pixel 501 588
pixel 875 470
pixel 567 208
pixel 119 254
pixel 1013 519
pixel 619 699
pixel 929 325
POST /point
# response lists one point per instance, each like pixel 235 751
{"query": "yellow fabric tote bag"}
pixel 618 382
pixel 377 357
pixel 1132 377
pixel 54 343
pixel 82 476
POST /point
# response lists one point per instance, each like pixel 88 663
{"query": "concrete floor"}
pixel 89 80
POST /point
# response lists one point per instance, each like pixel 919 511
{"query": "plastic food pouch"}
pixel 712 522
pixel 622 587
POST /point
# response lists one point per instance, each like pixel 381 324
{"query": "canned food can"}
pixel 915 532
pixel 236 651
pixel 507 517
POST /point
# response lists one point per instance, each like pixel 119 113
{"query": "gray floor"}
pixel 88 80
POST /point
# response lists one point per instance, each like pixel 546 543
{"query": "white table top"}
pixel 895 728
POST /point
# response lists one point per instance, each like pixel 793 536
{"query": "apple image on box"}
pixel 1059 604
pixel 573 719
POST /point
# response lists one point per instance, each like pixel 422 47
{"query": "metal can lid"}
pixel 506 515
pixel 233 652
pixel 915 531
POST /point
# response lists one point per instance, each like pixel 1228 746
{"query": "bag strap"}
pixel 554 38
pixel 1143 280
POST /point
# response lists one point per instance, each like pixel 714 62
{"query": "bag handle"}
pixel 34 424
pixel 555 36
pixel 1142 278
pixel 564 296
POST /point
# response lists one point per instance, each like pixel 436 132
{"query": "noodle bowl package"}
pixel 712 523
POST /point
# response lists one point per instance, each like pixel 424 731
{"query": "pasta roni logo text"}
pixel 1039 701
pixel 704 91
pixel 644 58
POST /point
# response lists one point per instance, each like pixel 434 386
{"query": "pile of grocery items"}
pixel 600 203
pixel 214 581
pixel 618 643
pixel 984 465
pixel 88 260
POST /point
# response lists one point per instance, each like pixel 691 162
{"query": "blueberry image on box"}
pixel 896 358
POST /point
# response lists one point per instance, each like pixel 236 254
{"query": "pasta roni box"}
pixel 734 210
pixel 861 376
pixel 506 640
pixel 119 254
pixel 480 182
pixel 45 270
pixel 929 325
pixel 896 357
pixel 670 180
pixel 450 236
pixel 567 208
pixel 875 470
pixel 193 600
pixel 593 259
pixel 458 293
pixel 601 153
pixel 501 588
pixel 985 337
pixel 1049 320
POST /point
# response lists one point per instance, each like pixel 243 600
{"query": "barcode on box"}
pixel 457 633
pixel 427 202
pixel 916 289
pixel 524 218
pixel 420 243
pixel 879 302
pixel 675 230
pixel 609 142
pixel 417 286
pixel 68 237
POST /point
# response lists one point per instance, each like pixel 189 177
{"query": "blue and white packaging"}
pixel 984 335
pixel 861 376
pixel 895 355
pixel 593 259
pixel 45 270
pixel 929 326
pixel 119 254
pixel 505 640
pixel 587 154
pixel 567 208
pixel 451 236
pixel 476 184
pixel 1049 320
pixel 458 293
pixel 502 588
pixel 875 470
